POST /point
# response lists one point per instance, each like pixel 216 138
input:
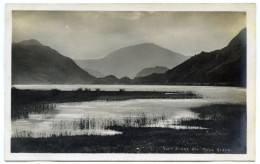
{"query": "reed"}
pixel 229 135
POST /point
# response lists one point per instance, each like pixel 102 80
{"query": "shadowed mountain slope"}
pixel 226 66
pixel 33 63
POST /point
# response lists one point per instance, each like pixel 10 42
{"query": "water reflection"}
pixel 95 118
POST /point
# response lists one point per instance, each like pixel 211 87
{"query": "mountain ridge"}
pixel 34 63
pixel 128 61
pixel 226 66
pixel 38 64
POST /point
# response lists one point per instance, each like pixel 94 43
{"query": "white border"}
pixel 250 156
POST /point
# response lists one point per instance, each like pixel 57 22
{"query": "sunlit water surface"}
pixel 94 118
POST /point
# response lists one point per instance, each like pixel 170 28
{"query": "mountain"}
pixel 111 79
pixel 94 72
pixel 129 61
pixel 125 80
pixel 226 66
pixel 34 63
pixel 151 70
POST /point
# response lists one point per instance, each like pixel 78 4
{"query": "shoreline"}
pixel 55 95
pixel 24 102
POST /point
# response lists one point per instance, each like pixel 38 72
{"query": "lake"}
pixel 94 117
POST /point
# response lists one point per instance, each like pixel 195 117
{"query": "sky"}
pixel 95 34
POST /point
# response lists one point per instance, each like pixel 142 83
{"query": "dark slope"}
pixel 129 61
pixel 33 63
pixel 107 80
pixel 221 67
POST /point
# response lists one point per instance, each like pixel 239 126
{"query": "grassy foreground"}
pixel 226 134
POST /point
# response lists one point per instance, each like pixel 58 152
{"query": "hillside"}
pixel 226 66
pixel 34 63
pixel 129 61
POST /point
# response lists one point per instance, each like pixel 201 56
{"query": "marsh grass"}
pixel 22 111
pixel 218 138
pixel 93 125
pixel 89 124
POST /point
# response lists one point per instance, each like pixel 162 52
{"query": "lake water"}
pixel 93 118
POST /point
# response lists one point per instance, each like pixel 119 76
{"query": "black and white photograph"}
pixel 133 81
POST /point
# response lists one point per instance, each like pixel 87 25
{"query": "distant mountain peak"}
pixel 30 42
pixel 128 61
pixel 148 44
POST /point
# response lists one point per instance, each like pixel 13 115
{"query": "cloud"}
pixel 94 34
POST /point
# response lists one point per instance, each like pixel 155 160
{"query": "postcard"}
pixel 130 82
